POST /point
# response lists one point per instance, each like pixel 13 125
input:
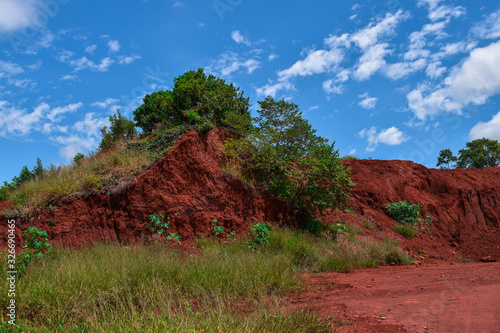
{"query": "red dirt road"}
pixel 434 298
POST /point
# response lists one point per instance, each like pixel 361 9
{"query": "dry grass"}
pixel 91 174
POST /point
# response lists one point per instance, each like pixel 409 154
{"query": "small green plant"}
pixel 157 224
pixel 217 228
pixel 35 245
pixel 404 212
pixel 52 223
pixel 406 230
pixel 262 234
pixel 174 236
pixel 463 260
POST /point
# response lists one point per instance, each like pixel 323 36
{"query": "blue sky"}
pixel 383 79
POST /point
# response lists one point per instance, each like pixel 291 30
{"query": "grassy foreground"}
pixel 227 287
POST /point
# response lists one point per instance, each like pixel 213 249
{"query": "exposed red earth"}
pixel 436 298
pixel 189 185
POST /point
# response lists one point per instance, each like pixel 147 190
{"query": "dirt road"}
pixel 434 298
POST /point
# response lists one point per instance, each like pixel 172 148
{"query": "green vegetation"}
pixel 261 231
pixel 477 154
pixel 117 288
pixel 406 230
pixel 408 215
pixel 91 174
pixel 35 245
pixel 282 156
pixel 196 99
pixel 121 129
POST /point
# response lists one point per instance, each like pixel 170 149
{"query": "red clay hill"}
pixel 189 185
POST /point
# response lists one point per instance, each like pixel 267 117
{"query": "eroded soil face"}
pixel 451 298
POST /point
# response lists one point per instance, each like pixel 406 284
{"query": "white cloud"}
pixel 19 122
pixel 239 38
pixel 90 48
pixel 403 69
pixel 370 35
pixel 316 62
pixel 230 62
pixel 271 89
pixel 114 46
pixel 84 63
pixel 435 70
pixel 178 4
pixel 438 12
pixel 8 68
pixel 272 57
pixel 109 103
pixel 330 87
pixel 371 61
pixel 472 82
pixel 16 14
pixel 68 77
pixel 367 102
pixel 391 136
pixel 489 129
pixel 127 60
pixel 489 28
pixel 55 115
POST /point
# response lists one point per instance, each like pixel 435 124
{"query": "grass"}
pixel 91 174
pixel 406 230
pixel 149 288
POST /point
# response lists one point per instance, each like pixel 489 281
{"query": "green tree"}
pixel 195 99
pixel 286 159
pixel 24 176
pixel 445 159
pixel 38 169
pixel 479 154
pixel 121 128
pixel 78 158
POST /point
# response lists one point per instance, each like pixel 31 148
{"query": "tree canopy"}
pixel 195 98
pixel 477 154
pixel 285 158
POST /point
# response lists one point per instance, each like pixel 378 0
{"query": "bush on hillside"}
pixel 121 128
pixel 195 99
pixel 285 158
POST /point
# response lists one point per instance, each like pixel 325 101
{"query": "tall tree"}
pixel 479 154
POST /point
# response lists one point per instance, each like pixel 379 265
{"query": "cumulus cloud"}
pixel 231 62
pixel 239 38
pixel 90 48
pixel 367 102
pixel 108 103
pixel 271 89
pixel 472 82
pixel 371 61
pixel 489 129
pixel 113 46
pixel 85 63
pixel 56 114
pixel 391 136
pixel 16 14
pixel 19 122
pixel 404 69
pixel 489 28
pixel 437 11
pixel 330 87
pixel 370 35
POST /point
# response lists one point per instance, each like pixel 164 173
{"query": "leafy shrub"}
pixel 35 245
pixel 404 212
pixel 406 230
pixel 121 128
pixel 286 159
pixel 157 224
pixel 261 231
pixel 78 158
pixel 194 98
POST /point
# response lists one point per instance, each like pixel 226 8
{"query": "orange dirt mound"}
pixel 187 184
pixel 463 204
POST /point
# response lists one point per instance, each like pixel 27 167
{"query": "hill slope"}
pixel 189 185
